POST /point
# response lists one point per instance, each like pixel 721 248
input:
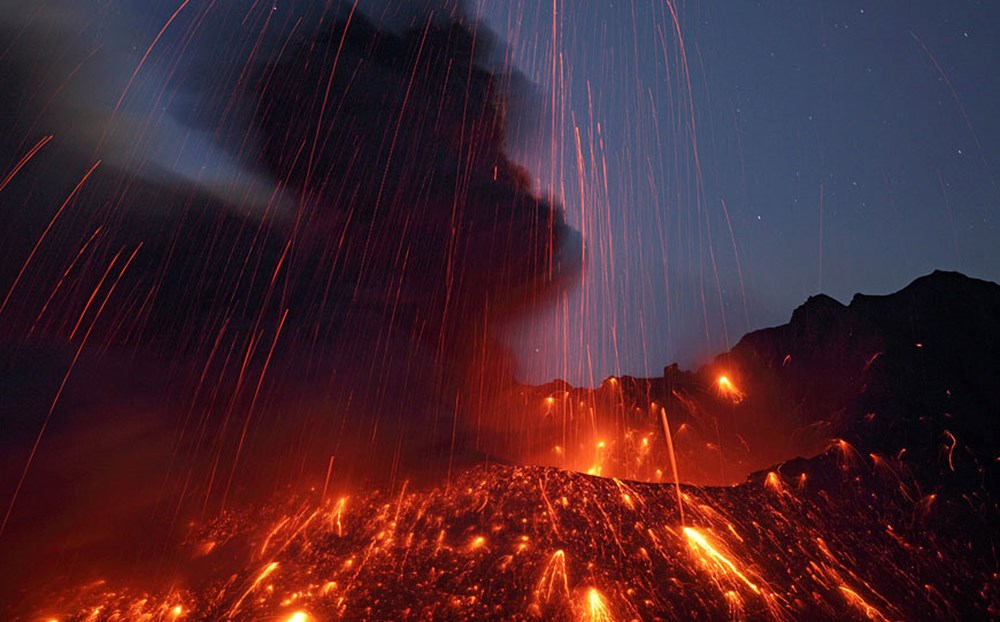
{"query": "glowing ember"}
pixel 729 390
pixel 713 559
pixel 424 552
pixel 596 609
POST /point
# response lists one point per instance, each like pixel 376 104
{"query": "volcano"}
pixel 883 506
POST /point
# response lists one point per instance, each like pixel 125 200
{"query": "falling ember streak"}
pixel 553 576
pixel 62 278
pixel 267 570
pixel 711 557
pixel 253 404
pixel 142 61
pixel 673 463
pixel 24 160
pixel 326 94
pixel 855 600
pixel 391 153
pixel 59 391
pixel 326 481
pixel 93 294
pixel 958 102
pixel 951 449
pixel 45 233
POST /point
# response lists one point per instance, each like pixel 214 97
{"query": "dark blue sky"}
pixel 853 146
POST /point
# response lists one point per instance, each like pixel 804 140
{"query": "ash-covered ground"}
pixel 893 521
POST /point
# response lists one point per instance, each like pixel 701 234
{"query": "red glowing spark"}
pixel 24 160
pixel 263 574
pixel 45 233
pixel 59 391
pixel 951 448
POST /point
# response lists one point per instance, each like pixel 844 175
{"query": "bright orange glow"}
pixel 729 390
pixel 774 483
pixel 338 514
pixel 597 608
pixel 716 562
pixel 299 616
pixel 855 600
pixel 598 465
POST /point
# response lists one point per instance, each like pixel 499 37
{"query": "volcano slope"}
pixel 895 519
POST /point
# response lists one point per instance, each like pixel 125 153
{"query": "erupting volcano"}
pixel 268 284
pixel 893 519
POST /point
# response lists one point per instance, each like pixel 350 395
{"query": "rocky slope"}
pixel 894 519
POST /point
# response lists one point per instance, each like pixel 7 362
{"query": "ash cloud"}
pixel 345 338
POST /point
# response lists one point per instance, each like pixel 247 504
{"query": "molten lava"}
pixel 538 543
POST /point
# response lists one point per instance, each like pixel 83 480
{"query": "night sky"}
pixel 853 144
pixel 258 246
pixel 722 161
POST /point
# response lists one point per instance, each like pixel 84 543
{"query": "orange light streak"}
pixel 596 609
pixel 553 578
pixel 854 599
pixel 62 386
pixel 45 233
pixel 713 559
pixel 263 574
pixel 24 160
pixel 673 462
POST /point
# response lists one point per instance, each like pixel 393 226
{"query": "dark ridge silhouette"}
pixel 909 370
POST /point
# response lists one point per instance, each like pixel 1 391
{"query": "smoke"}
pixel 416 236
pixel 342 334
pixel 106 88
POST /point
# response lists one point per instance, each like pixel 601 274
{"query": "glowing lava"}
pixel 728 390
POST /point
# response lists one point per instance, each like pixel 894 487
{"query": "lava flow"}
pixel 539 543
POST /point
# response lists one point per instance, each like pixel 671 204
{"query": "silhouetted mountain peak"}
pixel 817 306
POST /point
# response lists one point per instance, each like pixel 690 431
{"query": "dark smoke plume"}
pixel 181 359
